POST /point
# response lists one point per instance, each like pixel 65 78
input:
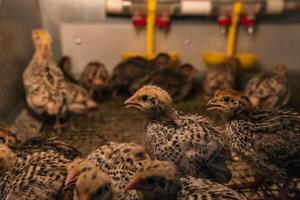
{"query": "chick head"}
pixel 8 138
pixel 281 70
pixel 93 185
pixel 7 158
pixel 42 39
pixel 229 103
pixel 77 167
pixel 188 70
pixel 156 179
pixel 150 99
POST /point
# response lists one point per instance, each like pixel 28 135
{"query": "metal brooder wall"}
pixel 17 19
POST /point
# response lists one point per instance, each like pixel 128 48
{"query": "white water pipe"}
pixel 196 7
pixel 202 7
pixel 274 6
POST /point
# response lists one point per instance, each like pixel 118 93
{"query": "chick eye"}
pixel 150 180
pixel 2 140
pixel 106 188
pixel 99 191
pixel 144 97
pixel 226 99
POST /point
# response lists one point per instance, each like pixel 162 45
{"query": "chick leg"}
pixel 114 94
pixel 58 125
pixel 91 93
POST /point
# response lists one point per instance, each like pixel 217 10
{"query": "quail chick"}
pixel 163 60
pixel 220 77
pixel 188 70
pixel 93 184
pixel 8 138
pixel 8 143
pixel 268 140
pixel 176 80
pixel 269 90
pixel 38 172
pixel 191 141
pixel 177 83
pixel 40 144
pixel 94 77
pixel 77 99
pixel 47 91
pixel 43 80
pixel 192 75
pixel 7 159
pixel 120 161
pixel 160 180
pixel 127 73
pixel 65 64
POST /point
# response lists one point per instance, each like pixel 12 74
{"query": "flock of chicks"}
pixel 185 155
pixel 52 90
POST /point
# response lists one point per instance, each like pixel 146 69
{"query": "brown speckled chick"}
pixel 43 80
pixel 8 138
pixel 191 141
pixel 269 90
pixel 220 77
pixel 163 60
pixel 8 142
pixel 176 81
pixel 160 180
pixel 267 140
pixel 39 171
pixel 93 184
pixel 7 159
pixel 47 91
pixel 94 77
pixel 65 64
pixel 120 161
pixel 77 99
pixel 126 73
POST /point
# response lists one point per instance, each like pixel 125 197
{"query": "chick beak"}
pixel 83 198
pixel 133 184
pixel 98 82
pixel 70 179
pixel 213 105
pixel 132 102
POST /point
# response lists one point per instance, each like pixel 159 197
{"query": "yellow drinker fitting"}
pixel 150 28
pixel 150 35
pixel 246 60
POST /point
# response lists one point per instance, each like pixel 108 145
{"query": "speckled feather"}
pixel 268 140
pixel 161 180
pixel 77 99
pixel 220 77
pixel 128 72
pixel 268 90
pixel 94 76
pixel 43 80
pixel 47 91
pixel 196 146
pixel 175 83
pixel 202 189
pixel 120 161
pixel 39 171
